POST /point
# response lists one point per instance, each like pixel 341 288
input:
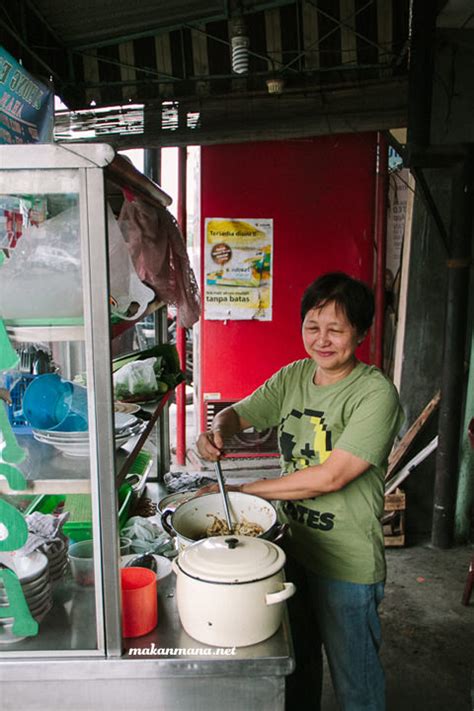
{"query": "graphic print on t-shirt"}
pixel 316 444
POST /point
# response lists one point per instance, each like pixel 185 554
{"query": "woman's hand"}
pixel 210 445
pixel 214 489
pixel 5 395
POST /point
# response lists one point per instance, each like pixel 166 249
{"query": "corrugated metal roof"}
pixel 96 22
pixel 115 53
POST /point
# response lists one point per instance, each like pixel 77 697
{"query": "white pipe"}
pixel 412 464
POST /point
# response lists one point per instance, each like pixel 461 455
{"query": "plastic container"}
pixel 139 601
pixel 51 403
pixel 81 557
pixel 17 384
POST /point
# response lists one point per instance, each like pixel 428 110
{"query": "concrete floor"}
pixel 428 635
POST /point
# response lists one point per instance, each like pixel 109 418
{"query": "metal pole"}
pixel 420 77
pixel 465 494
pixel 381 194
pixel 453 377
pixel 180 332
pixel 152 169
pixel 152 164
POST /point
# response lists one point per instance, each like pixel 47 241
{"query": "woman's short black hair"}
pixel 354 297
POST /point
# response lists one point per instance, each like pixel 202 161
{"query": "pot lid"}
pixel 231 559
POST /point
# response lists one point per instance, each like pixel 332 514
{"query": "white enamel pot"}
pixel 230 590
pixel 190 520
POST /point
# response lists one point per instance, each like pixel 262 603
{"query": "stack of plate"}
pixel 33 574
pixel 56 553
pixel 76 444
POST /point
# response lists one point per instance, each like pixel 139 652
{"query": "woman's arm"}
pixel 339 469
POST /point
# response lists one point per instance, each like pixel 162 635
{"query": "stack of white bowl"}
pixel 76 444
pixel 33 574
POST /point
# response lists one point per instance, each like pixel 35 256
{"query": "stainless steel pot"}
pixel 190 520
pixel 230 590
pixel 172 501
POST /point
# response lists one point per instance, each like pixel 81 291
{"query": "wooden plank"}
pixel 91 74
pixel 395 502
pixel 407 439
pixel 273 37
pixel 394 523
pixel 253 116
pixel 163 62
pixel 200 59
pixel 310 35
pixel 348 36
pixel 394 541
pixel 127 73
pixel 384 30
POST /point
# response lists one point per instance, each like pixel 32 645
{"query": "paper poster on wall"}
pixel 396 216
pixel 238 269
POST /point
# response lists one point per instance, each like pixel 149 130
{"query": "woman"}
pixel 337 420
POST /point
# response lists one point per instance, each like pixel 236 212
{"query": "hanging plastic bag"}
pixel 129 296
pixel 158 252
pixel 136 379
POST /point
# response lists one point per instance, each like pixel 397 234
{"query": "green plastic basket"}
pixel 79 525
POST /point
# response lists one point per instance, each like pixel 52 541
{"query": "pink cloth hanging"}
pixel 158 252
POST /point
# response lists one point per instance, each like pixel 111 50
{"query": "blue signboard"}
pixel 26 105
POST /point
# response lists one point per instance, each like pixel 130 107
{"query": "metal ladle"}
pixel 225 500
pixel 143 560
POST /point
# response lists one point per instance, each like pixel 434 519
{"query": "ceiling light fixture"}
pixel 240 46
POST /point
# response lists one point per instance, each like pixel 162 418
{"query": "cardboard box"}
pixel 394 519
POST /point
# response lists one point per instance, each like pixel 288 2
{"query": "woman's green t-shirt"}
pixel 337 535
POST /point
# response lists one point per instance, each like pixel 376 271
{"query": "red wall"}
pixel 320 194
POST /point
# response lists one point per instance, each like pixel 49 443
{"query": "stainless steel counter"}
pixel 171 644
pixel 169 672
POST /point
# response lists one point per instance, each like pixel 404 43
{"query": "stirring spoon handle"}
pixel 220 481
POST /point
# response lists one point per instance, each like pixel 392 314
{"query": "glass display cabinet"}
pixel 54 327
pixel 61 642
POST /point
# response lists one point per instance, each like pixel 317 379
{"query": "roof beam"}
pixel 28 49
pixel 318 40
pixel 45 23
pixel 367 107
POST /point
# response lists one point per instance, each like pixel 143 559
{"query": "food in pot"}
pixel 219 527
pixel 191 519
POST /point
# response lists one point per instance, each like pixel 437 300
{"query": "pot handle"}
pixel 289 589
pixel 165 516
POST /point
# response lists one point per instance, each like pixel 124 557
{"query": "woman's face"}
pixel 329 338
